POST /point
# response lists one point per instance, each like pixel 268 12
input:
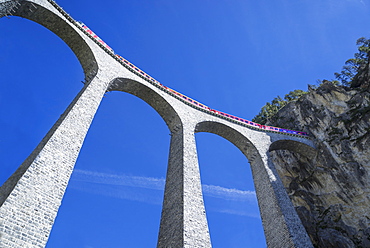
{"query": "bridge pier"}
pixel 183 222
pixel 30 198
pixel 281 223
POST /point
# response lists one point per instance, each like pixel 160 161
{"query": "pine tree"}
pixel 356 66
pixel 270 109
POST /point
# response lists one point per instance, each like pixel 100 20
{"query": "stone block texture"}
pixel 30 198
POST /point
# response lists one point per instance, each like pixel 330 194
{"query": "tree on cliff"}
pixel 271 108
pixel 356 70
pixel 355 73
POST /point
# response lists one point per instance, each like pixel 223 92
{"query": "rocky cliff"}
pixel 331 193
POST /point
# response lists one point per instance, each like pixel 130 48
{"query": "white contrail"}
pixel 228 194
pixel 150 190
pixel 123 180
pixel 157 184
pixel 120 192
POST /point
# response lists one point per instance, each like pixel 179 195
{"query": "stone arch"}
pixel 151 97
pixel 230 134
pixel 294 146
pixel 240 173
pixel 27 62
pixel 125 156
pixel 64 30
pixel 281 223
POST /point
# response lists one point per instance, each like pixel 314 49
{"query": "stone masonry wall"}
pixel 30 198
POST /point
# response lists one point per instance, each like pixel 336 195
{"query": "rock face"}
pixel 331 193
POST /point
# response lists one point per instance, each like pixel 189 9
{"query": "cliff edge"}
pixel 331 193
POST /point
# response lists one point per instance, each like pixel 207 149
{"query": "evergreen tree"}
pixel 294 95
pixel 353 66
pixel 270 109
pixel 355 73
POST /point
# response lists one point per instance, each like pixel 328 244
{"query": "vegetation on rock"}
pixel 270 109
pixel 355 74
pixel 354 68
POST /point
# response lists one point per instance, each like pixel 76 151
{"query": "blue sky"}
pixel 232 55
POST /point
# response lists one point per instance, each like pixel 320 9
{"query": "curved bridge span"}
pixel 44 175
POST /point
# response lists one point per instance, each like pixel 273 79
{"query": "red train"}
pixel 183 97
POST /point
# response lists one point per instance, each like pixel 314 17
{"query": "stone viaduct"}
pixel 30 198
